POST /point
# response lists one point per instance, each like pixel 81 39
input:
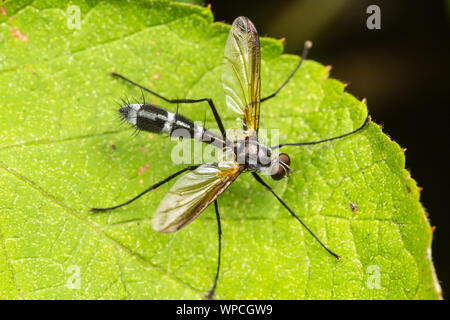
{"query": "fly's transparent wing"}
pixel 241 71
pixel 192 193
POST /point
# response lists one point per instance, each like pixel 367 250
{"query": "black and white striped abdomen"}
pixel 152 118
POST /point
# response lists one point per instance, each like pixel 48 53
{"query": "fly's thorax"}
pixel 252 154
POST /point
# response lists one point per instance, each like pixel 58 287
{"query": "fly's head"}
pixel 279 166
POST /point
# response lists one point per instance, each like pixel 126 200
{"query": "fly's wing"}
pixel 192 193
pixel 241 72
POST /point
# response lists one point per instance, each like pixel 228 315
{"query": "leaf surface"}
pixel 63 150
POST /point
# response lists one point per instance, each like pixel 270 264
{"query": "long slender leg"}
pixel 210 102
pixel 258 178
pixel 308 45
pixel 156 185
pixel 325 140
pixel 211 292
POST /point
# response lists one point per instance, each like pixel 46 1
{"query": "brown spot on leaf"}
pixel 143 168
pixel 156 76
pixel 3 11
pixel 17 34
pixel 354 207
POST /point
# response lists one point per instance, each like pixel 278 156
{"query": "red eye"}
pixel 278 171
pixel 283 157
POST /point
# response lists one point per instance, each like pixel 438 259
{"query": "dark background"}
pixel 402 70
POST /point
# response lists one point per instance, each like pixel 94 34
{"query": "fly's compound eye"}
pixel 283 157
pixel 277 172
pixel 280 167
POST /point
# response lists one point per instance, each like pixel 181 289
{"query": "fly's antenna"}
pixel 368 119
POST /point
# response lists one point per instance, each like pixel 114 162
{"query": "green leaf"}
pixel 58 125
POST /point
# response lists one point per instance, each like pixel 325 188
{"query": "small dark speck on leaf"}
pixel 408 189
pixel 113 146
pixel 354 207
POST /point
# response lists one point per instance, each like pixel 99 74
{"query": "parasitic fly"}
pixel 201 185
